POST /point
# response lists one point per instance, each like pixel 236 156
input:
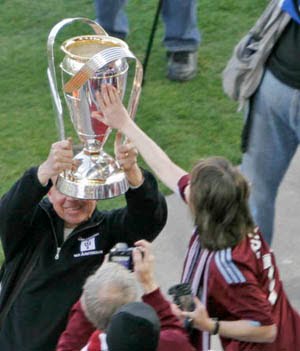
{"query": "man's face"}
pixel 72 211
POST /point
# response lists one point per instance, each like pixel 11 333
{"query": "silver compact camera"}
pixel 122 254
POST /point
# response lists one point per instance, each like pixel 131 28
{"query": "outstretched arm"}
pixel 115 115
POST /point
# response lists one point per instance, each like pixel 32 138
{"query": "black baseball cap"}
pixel 133 327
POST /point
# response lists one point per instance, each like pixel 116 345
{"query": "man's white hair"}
pixel 109 288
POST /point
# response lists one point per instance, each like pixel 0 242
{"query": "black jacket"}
pixel 40 312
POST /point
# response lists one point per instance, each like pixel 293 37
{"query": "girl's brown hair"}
pixel 219 201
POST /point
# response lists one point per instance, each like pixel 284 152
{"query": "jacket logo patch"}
pixel 87 245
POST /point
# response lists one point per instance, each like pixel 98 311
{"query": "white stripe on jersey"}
pixel 227 267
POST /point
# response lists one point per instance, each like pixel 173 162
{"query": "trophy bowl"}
pixel 89 62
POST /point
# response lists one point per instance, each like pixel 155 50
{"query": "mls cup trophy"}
pixel 89 62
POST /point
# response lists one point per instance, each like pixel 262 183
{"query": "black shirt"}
pixel 284 61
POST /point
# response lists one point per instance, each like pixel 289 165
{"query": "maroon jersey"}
pixel 241 283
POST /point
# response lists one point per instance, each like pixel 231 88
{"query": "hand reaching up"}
pixel 113 113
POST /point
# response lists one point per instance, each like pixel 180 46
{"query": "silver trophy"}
pixel 89 62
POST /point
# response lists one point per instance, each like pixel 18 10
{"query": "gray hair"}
pixel 109 288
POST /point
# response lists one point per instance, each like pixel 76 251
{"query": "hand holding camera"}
pixel 138 259
pixel 143 261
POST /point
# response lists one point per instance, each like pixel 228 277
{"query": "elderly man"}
pixel 68 239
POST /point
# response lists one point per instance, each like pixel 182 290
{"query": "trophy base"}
pixel 97 177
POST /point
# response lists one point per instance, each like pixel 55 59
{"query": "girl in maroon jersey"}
pixel 229 265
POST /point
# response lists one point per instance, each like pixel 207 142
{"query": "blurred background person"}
pixel 272 128
pixel 181 40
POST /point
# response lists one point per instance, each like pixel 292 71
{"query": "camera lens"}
pixel 120 247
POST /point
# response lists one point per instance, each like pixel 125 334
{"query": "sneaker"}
pixel 182 65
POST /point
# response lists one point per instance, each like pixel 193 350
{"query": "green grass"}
pixel 188 120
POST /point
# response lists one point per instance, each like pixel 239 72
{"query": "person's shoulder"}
pixel 227 263
pixel 46 206
pixel 240 263
pixel 100 215
pixel 182 185
pixel 257 245
pixel 235 263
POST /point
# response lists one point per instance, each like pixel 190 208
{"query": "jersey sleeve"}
pixel 237 294
pixel 182 184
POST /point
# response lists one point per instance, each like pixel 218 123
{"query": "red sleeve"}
pixel 182 184
pixel 172 334
pixel 77 332
pixel 243 300
pixel 247 301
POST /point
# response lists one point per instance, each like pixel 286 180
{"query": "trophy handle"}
pixel 136 89
pixel 51 73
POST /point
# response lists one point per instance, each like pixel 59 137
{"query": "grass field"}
pixel 189 120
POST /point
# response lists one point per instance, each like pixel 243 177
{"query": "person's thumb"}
pixel 118 139
pixel 118 142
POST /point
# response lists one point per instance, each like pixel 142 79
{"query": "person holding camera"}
pixel 53 243
pixel 229 265
pixel 117 320
pixel 106 290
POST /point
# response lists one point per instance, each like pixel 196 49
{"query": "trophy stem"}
pixel 92 147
